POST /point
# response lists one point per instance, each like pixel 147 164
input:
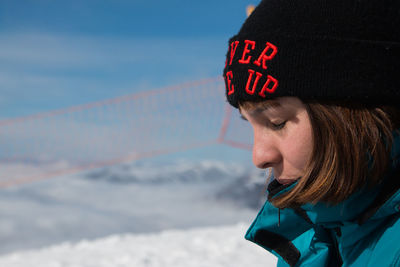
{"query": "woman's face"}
pixel 282 136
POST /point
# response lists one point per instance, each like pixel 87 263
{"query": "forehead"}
pixel 273 107
pixel 257 107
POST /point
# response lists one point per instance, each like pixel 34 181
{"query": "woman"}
pixel 318 82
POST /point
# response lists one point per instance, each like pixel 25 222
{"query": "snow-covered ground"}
pixel 127 215
pixel 202 247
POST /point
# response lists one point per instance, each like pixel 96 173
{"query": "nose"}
pixel 265 150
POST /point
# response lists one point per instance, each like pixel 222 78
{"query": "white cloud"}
pixel 82 51
pixel 39 70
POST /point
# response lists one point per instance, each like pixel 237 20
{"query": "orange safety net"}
pixel 118 130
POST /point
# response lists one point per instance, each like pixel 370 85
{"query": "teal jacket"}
pixel 362 231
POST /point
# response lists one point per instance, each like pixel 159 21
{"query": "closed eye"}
pixel 278 126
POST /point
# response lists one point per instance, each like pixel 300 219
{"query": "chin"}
pixel 285 181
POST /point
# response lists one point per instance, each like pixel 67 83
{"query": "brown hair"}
pixel 352 144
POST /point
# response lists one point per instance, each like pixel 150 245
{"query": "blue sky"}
pixel 56 54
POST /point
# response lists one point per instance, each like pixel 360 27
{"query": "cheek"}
pixel 298 147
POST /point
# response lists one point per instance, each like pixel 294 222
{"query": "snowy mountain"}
pixel 136 198
pixel 177 172
pixel 201 247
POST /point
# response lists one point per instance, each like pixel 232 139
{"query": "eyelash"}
pixel 278 126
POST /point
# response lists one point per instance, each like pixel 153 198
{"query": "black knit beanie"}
pixel 339 50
